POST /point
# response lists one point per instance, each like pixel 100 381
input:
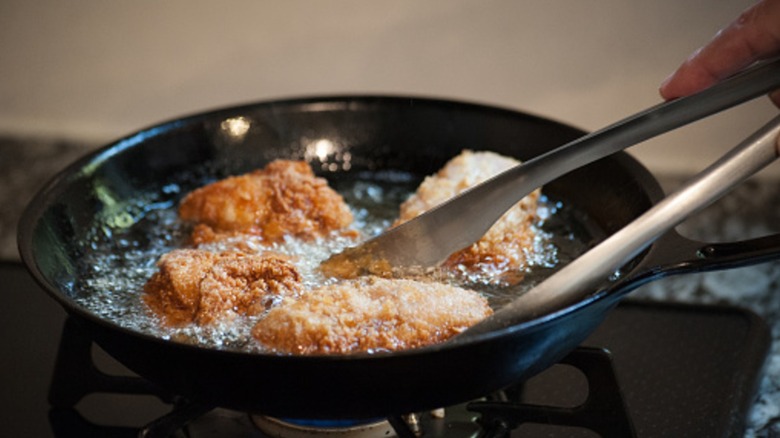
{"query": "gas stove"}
pixel 651 370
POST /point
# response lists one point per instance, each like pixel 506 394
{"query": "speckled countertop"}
pixel 752 210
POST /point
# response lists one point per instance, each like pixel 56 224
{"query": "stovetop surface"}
pixel 683 370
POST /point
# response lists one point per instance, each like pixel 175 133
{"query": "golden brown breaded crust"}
pixel 284 198
pixel 173 292
pixel 502 251
pixel 204 287
pixel 370 314
pixel 245 285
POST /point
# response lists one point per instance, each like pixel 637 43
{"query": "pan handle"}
pixel 674 254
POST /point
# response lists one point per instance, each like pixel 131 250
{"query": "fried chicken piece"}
pixel 501 253
pixel 370 314
pixel 204 287
pixel 284 198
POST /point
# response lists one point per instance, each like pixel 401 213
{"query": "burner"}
pixel 337 429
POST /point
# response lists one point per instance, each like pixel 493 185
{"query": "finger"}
pixel 753 36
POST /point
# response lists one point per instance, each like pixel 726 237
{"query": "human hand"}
pixel 753 36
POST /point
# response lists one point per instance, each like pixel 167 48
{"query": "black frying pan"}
pixel 413 134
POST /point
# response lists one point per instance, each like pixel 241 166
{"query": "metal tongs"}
pixel 431 237
pixel 582 277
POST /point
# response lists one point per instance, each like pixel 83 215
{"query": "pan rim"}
pixel 36 207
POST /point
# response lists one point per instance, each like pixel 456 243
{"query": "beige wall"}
pixel 101 69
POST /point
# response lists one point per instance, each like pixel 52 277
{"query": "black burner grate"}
pixel 77 376
pixel 603 410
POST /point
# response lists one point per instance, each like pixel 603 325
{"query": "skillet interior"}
pixel 416 135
